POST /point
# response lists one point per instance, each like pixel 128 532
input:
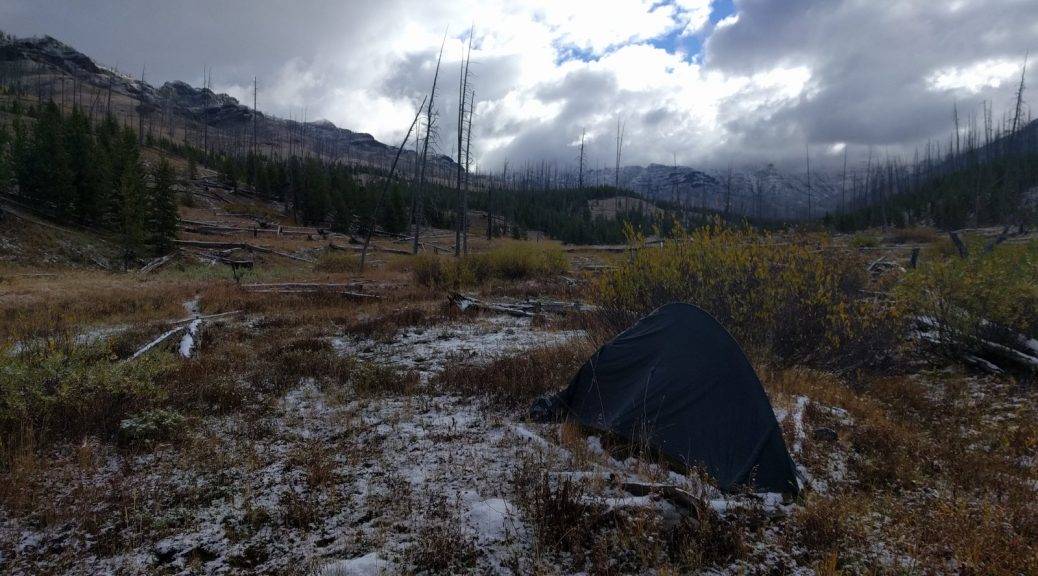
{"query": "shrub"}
pixel 66 393
pixel 914 234
pixel 983 295
pixel 512 261
pixel 429 270
pixel 799 299
pixel 337 263
pixel 863 240
pixel 442 545
pixel 152 425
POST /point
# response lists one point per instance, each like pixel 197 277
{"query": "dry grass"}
pixel 509 262
pixel 71 301
pixel 572 527
pixel 515 381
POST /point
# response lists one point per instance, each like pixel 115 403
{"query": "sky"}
pixel 700 82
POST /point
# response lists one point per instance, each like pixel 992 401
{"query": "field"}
pixel 306 417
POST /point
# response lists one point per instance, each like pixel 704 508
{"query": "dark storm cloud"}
pixel 778 75
pixel 871 62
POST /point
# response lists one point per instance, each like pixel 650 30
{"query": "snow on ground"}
pixel 426 350
pixel 312 484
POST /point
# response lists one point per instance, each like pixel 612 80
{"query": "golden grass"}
pixel 509 262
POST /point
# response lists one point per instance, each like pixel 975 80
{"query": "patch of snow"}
pixel 427 350
pixel 492 518
pixel 187 343
pixel 367 565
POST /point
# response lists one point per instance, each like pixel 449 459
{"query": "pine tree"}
pixel 395 219
pixel 86 176
pixel 163 209
pixel 229 172
pixel 47 176
pixel 129 205
pixel 5 162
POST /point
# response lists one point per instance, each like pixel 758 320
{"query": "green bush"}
pixel 986 294
pixel 863 240
pixel 66 393
pixel 152 425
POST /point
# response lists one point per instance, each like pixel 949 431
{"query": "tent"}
pixel 681 384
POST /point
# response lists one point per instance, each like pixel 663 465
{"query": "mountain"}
pixel 766 192
pixel 50 68
pixel 176 110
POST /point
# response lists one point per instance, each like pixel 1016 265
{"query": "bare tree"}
pixel 580 161
pixel 807 155
pixel 416 199
pixel 463 91
pixel 386 184
pixel 619 149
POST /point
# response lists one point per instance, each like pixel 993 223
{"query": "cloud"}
pixel 706 80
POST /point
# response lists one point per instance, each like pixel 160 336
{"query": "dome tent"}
pixel 679 382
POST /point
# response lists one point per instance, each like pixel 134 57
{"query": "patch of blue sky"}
pixel 674 41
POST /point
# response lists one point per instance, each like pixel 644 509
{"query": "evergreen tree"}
pixel 5 162
pixel 395 219
pixel 47 175
pixel 130 202
pixel 229 172
pixel 163 209
pixel 86 176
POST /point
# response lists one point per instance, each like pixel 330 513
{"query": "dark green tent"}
pixel 679 382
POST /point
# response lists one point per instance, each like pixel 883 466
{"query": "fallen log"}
pixel 973 348
pixel 208 317
pixel 313 286
pixel 465 302
pixel 156 263
pixel 334 246
pixel 155 342
pixel 344 293
pixel 674 494
pixel 998 240
pixel 243 246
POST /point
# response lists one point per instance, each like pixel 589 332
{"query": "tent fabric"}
pixel 678 381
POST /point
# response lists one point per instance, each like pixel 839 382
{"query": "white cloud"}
pixel 696 13
pixel 974 77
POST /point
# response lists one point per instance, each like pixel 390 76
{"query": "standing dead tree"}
pixel 580 161
pixel 468 159
pixel 385 186
pixel 461 227
pixel 1019 108
pixel 619 150
pixel 416 199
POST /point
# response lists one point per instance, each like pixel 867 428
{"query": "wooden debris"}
pixel 155 342
pixel 959 244
pixel 345 290
pixel 465 302
pixel 241 245
pixel 157 263
pixel 525 309
pixel 980 352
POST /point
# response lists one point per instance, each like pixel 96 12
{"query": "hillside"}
pixel 49 68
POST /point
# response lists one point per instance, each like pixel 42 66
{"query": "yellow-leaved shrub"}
pixel 794 298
